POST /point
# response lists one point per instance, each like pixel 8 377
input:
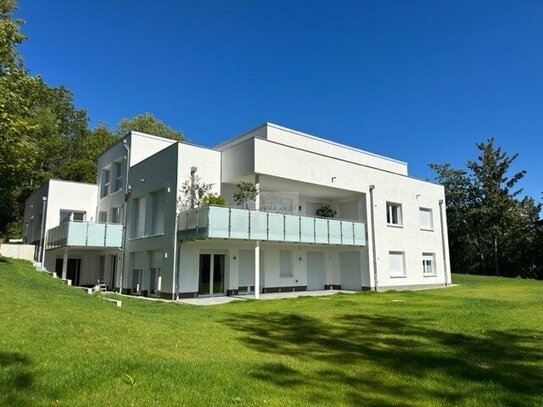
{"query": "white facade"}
pixel 389 231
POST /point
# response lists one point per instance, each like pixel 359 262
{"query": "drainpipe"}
pixel 125 216
pixel 374 249
pixel 41 256
pixel 174 257
pixel 443 242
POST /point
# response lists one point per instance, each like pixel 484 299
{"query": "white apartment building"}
pixel 130 233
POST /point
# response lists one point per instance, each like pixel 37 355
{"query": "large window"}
pixel 118 166
pixel 157 212
pixel 397 264
pixel 426 219
pixel 394 214
pixel 106 180
pixel 115 216
pixel 285 263
pixel 102 217
pixel 428 264
pixel 138 217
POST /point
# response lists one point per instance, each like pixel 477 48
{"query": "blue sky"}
pixel 420 81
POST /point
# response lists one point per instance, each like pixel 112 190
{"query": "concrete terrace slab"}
pixel 208 300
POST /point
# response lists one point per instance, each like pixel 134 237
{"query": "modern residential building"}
pixel 137 232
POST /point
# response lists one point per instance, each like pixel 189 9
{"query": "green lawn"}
pixel 480 343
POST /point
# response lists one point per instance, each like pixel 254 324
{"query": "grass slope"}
pixel 480 343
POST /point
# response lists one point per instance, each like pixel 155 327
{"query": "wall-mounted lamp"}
pixel 234 257
pixel 333 178
pixel 142 179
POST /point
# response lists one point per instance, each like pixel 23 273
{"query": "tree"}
pixel 147 123
pixel 491 230
pixel 214 200
pixel 193 193
pixel 245 192
pixel 10 36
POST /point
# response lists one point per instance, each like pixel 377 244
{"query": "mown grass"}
pixel 480 343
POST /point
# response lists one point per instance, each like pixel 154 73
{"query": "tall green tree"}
pixel 491 230
pixel 147 123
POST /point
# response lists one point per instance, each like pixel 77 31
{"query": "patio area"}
pixel 202 301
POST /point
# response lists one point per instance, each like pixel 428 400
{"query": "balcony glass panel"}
pixel 239 224
pixel 347 232
pixel 334 230
pixel 359 234
pixel 275 226
pixel 96 233
pixel 307 226
pixel 321 230
pixel 258 225
pixel 292 228
pixel 218 221
pixel 77 234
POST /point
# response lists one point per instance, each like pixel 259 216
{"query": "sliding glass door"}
pixel 212 274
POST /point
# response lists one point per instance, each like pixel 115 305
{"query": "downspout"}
pixel 443 241
pixel 42 246
pixel 174 257
pixel 374 249
pixel 125 216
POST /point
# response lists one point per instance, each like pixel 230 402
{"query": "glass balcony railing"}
pixel 84 234
pixel 235 223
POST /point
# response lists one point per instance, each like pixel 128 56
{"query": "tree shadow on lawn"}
pixel 16 381
pixel 375 357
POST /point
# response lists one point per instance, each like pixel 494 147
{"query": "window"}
pixel 157 212
pixel 285 263
pixel 102 270
pixel 428 264
pixel 118 166
pixel 394 214
pixel 115 216
pixel 137 280
pixel 102 217
pixel 397 264
pixel 72 216
pixel 138 218
pixel 426 220
pixel 105 182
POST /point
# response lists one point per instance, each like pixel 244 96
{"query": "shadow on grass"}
pixel 4 260
pixel 16 381
pixel 384 360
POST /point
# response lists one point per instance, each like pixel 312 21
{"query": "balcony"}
pixel 233 223
pixel 84 234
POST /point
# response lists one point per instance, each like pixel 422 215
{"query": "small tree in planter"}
pixel 326 211
pixel 214 200
pixel 193 193
pixel 245 192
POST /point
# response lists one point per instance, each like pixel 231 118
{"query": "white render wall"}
pixel 190 251
pixel 61 195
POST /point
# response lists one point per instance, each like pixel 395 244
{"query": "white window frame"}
pixel 395 275
pixel 289 273
pixel 390 207
pixel 423 227
pixel 429 265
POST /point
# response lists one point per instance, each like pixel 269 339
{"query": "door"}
pixel 113 268
pixel 351 274
pixel 212 273
pixel 156 282
pixel 316 277
pixel 72 272
pixel 137 280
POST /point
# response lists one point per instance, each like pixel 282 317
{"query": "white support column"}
pixel 257 270
pixel 65 264
pixel 257 245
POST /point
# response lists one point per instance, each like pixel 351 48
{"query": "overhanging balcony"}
pixel 214 222
pixel 84 234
